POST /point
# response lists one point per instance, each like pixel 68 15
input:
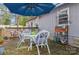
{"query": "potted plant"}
pixel 1 40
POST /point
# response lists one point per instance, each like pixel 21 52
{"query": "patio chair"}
pixel 41 39
pixel 21 37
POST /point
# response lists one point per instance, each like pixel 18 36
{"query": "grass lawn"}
pixel 56 49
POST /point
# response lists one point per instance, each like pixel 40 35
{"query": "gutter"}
pixel 59 4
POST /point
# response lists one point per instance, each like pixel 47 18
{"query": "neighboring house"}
pixel 50 20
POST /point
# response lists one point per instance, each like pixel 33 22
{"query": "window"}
pixel 63 16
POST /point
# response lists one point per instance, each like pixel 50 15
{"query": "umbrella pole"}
pixel 17 17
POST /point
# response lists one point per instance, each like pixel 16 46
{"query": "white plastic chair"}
pixel 21 36
pixel 41 39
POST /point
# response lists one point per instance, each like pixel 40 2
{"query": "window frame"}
pixel 60 11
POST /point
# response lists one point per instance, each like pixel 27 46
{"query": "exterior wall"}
pixel 74 21
pixel 49 21
pixel 73 17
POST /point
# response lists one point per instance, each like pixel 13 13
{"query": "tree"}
pixel 22 20
pixel 6 18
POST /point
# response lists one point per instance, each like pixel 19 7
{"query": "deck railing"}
pixel 7 31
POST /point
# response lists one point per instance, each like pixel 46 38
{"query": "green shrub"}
pixel 1 39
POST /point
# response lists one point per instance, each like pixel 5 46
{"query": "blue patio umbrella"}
pixel 30 9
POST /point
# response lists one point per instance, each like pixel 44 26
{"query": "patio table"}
pixel 29 37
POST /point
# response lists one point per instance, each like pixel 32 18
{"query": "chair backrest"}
pixel 24 32
pixel 41 37
pixel 27 31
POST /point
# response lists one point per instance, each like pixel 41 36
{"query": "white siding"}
pixel 73 17
pixel 49 20
pixel 74 20
pixel 46 23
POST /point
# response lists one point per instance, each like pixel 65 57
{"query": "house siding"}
pixel 74 20
pixel 49 21
pixel 73 17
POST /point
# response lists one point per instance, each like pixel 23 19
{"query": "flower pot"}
pixel 1 42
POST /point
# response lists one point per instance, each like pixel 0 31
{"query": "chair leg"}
pixel 31 44
pixel 45 46
pixel 19 43
pixel 23 40
pixel 38 49
pixel 30 47
pixel 48 49
pixel 41 46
